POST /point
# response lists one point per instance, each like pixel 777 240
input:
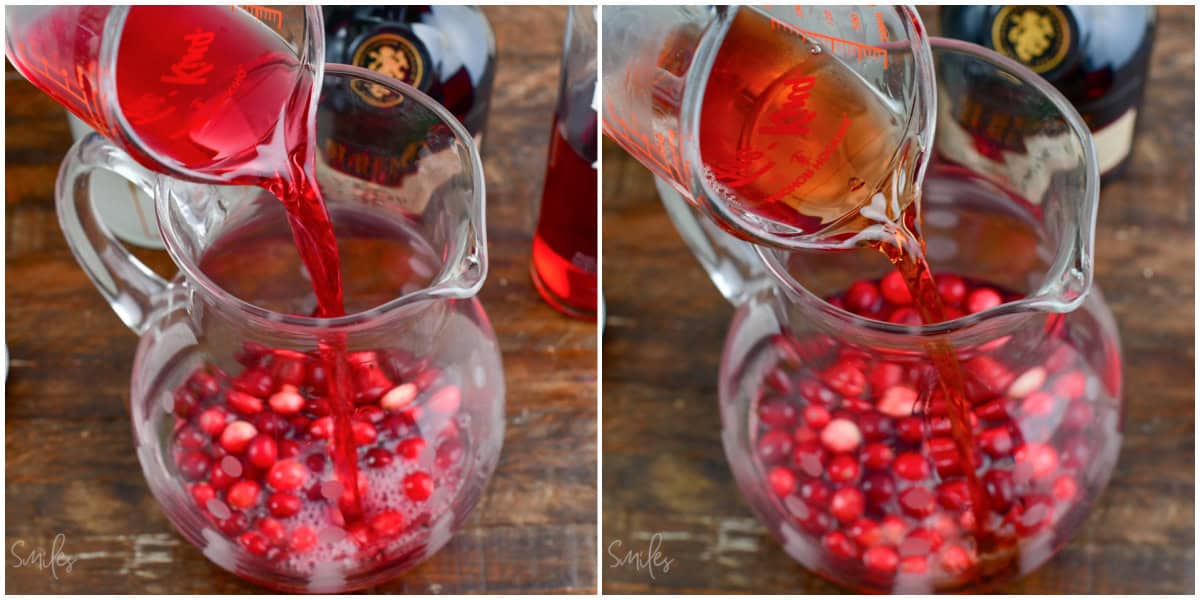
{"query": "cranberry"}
pixel 242 403
pixel 917 502
pixel 992 411
pixel 877 455
pixel 847 504
pixel 894 289
pixel 419 486
pixel 250 353
pixel 874 426
pixel 845 379
pixel 815 492
pixel 1071 386
pixel 881 559
pixel 879 487
pixel 364 433
pixel 262 451
pixel 271 424
pixel 254 543
pixel 951 288
pixel 777 413
pixel 243 494
pixel 814 392
pixel 289 449
pixel 996 442
pixel 204 384
pixel 910 430
pixel 911 466
pixel 212 421
pixel 782 480
pixel 387 524
pixel 779 381
pixel 287 475
pixel 920 542
pixel 982 299
pixel 884 375
pixel 1065 488
pixel 1028 382
pixel 283 505
pixel 185 403
pixel 236 436
pixel 954 495
pixel 774 447
pixel 1035 460
pixel 864 532
pixel 315 462
pixel 843 468
pixel 892 529
pixel 287 401
pixel 224 472
pixel 1031 515
pixel 839 545
pixel 290 371
pixel 994 376
pixel 809 458
pixel 955 559
pixel 841 435
pixel 193 465
pixel 862 297
pixel 303 539
pixel 273 530
pixel 913 564
pixel 318 407
pixel 816 417
pixel 1038 404
pixel 190 438
pixel 399 397
pixel 411 448
pixel 905 315
pixel 449 453
pixel 998 485
pixel 254 382
pixel 322 428
pixel 1079 415
pixel 202 493
pixel 370 413
pixel 235 523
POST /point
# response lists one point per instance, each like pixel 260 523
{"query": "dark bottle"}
pixel 1097 56
pixel 448 52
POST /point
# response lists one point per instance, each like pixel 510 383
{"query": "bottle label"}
pixel 1040 37
pixel 1114 142
pixel 395 55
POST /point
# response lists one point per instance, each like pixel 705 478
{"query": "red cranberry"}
pixel 982 299
pixel 224 472
pixel 193 465
pixel 892 529
pixel 237 436
pixel 1071 386
pixel 951 288
pixel 387 524
pixel 815 492
pixel 318 407
pixel 998 485
pixel 877 455
pixel 955 559
pixel 841 435
pixel 814 392
pixel 913 565
pixel 290 371
pixel 879 487
pixel 917 502
pixel 1065 488
pixel 262 451
pixel 287 475
pixel 774 447
pixel 847 504
pixel 190 438
pixel 315 463
pixel 212 421
pixel 862 297
pixel 288 449
pixel 235 523
pixel 920 542
pixel 839 545
pixel 992 411
pixel 996 442
pixel 254 382
pixel 874 426
pixel 845 379
pixel 779 381
pixel 411 448
pixel 243 494
pixel 864 532
pixel 954 495
pixel 777 414
pixel 843 468
pixel 273 530
pixel 271 424
pixel 782 480
pixel 202 493
pixel 303 539
pixel 884 375
pixel 449 453
pixel 881 559
pixel 910 429
pixel 905 315
pixel 378 458
pixel 1035 460
pixel 418 486
pixel 994 376
pixel 254 543
pixel 243 403
pixel 250 353
pixel 809 458
pixel 322 428
pixel 898 401
pixel 816 417
pixel 185 403
pixel 364 433
pixel 372 384
pixel 1031 515
pixel 894 290
pixel 911 466
pixel 283 505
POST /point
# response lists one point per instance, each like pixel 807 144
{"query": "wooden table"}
pixel 70 462
pixel 664 468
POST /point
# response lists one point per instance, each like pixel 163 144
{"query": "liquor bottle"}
pixel 448 52
pixel 1097 56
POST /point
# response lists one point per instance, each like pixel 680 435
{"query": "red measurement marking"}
pixel 661 154
pixel 269 16
pixel 860 51
pixel 855 22
pixel 883 32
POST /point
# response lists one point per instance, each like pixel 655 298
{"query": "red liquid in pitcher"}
pixel 565 242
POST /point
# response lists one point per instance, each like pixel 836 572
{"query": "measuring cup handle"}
pixel 130 287
pixel 732 264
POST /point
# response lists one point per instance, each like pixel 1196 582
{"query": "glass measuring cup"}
pixel 821 387
pixel 785 125
pixel 200 92
pixel 229 401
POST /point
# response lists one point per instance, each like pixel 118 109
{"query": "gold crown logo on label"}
pixel 388 54
pixel 1038 36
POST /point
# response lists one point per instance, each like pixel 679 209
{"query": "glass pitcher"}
pixel 229 400
pixel 833 423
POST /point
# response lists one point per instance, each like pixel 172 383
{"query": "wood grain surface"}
pixel 69 455
pixel 664 468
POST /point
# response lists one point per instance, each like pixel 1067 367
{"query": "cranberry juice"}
pixel 252 444
pixel 565 242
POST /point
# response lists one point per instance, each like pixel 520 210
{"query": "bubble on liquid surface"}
pixel 814 49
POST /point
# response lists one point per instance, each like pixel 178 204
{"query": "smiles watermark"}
pixel 23 555
pixel 649 560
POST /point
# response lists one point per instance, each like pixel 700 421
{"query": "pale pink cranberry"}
pixel 847 504
pixel 862 297
pixel 283 504
pixel 917 501
pixel 237 436
pixel 897 401
pixel 841 435
pixel 287 401
pixel 951 288
pixel 881 559
pixel 399 397
pixel 839 545
pixel 911 466
pixel 1038 404
pixel 1039 460
pixel 982 299
pixel 843 468
pixel 1026 383
pixel 894 290
pixel 446 400
pixel 243 494
pixel 1072 385
pixel 809 458
pixel 782 481
pixel 287 476
pixel 845 379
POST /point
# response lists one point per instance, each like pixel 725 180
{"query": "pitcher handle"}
pixel 732 263
pixel 130 287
